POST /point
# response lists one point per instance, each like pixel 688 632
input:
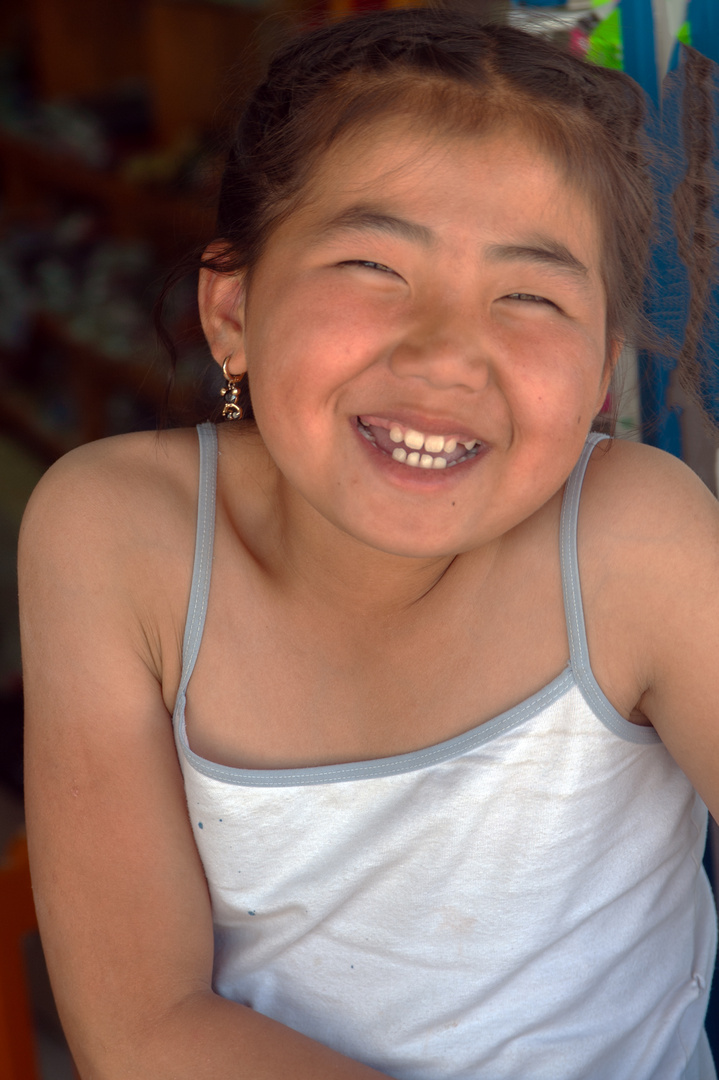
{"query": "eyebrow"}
pixel 359 218
pixel 543 251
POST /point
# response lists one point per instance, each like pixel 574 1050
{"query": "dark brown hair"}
pixel 453 74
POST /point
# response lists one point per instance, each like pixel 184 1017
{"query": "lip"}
pixel 413 478
pixel 427 425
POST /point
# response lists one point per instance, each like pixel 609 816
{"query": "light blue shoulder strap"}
pixel 204 539
pixel 574 612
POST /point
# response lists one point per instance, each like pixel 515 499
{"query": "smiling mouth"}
pixel 417 450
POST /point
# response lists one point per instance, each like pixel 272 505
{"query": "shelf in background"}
pixel 19 417
pixel 31 170
pixel 92 379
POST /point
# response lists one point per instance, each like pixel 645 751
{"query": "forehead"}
pixel 500 186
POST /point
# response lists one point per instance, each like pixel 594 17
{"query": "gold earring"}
pixel 231 410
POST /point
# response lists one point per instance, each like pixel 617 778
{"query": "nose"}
pixel 446 351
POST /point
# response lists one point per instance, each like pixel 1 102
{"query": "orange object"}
pixel 17 918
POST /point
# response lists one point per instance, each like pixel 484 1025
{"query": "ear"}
pixel 221 300
pixel 614 351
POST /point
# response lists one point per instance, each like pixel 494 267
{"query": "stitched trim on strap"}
pixel 204 539
pixel 574 611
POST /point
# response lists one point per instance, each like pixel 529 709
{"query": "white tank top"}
pixel 525 901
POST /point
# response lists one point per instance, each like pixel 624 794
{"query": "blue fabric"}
pixel 667 298
pixel 637 18
pixel 704 20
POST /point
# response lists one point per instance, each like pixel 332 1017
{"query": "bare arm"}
pixel 120 892
pixel 682 699
pixel 655 604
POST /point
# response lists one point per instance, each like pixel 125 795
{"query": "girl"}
pixel 441 662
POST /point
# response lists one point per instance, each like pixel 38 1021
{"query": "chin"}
pixel 415 546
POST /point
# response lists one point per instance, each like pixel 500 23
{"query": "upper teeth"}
pixel 435 444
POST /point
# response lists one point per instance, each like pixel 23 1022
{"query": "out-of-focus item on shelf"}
pixel 191 164
pixel 96 128
pixel 578 23
pixel 78 351
pixel 66 269
pixel 111 131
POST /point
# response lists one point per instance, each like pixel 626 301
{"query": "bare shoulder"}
pixel 114 485
pixel 109 533
pixel 636 493
pixel 109 504
pixel 645 472
pixel 650 530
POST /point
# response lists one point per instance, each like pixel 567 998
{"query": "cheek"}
pixel 556 374
pixel 315 342
pixel 300 315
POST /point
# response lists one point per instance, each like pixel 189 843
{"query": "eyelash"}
pixel 368 263
pixel 529 296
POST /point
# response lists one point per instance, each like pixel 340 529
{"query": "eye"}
pixel 529 298
pixel 370 265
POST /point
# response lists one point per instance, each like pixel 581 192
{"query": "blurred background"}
pixel 111 130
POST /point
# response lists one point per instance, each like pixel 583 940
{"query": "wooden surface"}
pixel 83 47
pixel 200 58
pixel 32 173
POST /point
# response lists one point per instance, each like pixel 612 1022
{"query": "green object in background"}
pixel 685 34
pixel 605 41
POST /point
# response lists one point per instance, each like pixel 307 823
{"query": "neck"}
pixel 349 575
pixel 309 557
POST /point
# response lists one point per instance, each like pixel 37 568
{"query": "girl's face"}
pixel 425 339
